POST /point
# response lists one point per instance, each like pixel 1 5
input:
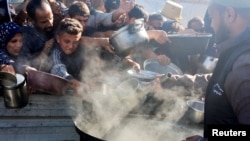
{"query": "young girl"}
pixel 11 44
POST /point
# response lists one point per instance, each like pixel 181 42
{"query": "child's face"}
pixel 68 42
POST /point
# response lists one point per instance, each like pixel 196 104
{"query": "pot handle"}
pixel 136 27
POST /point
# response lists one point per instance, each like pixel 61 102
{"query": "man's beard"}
pixel 49 33
pixel 222 34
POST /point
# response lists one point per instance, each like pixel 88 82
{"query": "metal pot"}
pixel 6 79
pixel 128 37
pixel 140 128
pixel 15 96
pixel 196 110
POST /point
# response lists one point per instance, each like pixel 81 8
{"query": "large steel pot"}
pixel 98 109
pixel 141 128
pixel 128 37
pixel 97 120
pixel 15 96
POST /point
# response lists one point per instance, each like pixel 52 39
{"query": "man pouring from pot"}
pixel 227 97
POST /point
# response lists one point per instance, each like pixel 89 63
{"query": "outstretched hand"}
pixel 163 59
pixel 159 36
pixel 106 45
pixel 48 45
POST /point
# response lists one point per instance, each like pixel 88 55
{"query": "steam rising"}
pixel 120 108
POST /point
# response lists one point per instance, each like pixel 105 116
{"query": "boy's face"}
pixel 68 42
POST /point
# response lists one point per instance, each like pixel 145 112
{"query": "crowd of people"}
pixel 59 37
pixel 40 38
pixel 39 22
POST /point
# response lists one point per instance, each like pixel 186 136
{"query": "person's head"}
pixel 196 23
pixel 40 14
pixel 156 20
pixel 138 12
pixel 229 17
pixel 172 26
pixel 99 5
pixel 11 38
pixel 111 5
pixel 68 35
pixel 88 2
pixel 80 11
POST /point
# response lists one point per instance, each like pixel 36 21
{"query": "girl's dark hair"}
pixel 32 6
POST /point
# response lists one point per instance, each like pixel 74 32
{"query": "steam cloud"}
pixel 121 109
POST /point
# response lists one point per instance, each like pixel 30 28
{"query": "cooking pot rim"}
pixel 57 85
pixel 10 87
pixel 8 76
pixel 37 72
pixel 189 103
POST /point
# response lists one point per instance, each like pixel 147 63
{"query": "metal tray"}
pixel 188 44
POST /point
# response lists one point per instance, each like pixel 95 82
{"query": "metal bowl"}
pixel 46 82
pixel 154 66
pixel 196 110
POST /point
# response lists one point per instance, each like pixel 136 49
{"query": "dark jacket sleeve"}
pixel 59 68
pixel 237 87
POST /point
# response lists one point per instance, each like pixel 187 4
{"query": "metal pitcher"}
pixel 129 37
pixel 15 96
